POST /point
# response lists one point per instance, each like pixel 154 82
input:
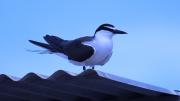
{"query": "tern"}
pixel 84 51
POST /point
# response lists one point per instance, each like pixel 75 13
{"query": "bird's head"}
pixel 107 30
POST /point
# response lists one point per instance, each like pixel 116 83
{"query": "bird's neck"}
pixel 104 35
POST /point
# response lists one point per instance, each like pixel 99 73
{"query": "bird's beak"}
pixel 116 31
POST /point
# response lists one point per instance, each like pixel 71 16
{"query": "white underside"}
pixel 98 58
pixel 62 55
pixel 102 51
pixel 101 55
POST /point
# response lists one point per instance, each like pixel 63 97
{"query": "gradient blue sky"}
pixel 150 53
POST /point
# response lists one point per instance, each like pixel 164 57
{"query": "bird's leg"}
pixel 93 67
pixel 84 68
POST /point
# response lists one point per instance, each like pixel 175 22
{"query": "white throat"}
pixel 104 34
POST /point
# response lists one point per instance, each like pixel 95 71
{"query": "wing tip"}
pixel 31 41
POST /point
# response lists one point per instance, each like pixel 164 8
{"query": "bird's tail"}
pixel 55 42
pixel 43 45
pixel 40 51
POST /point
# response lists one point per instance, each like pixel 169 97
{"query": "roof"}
pixel 89 85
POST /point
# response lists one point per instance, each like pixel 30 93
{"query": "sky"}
pixel 150 53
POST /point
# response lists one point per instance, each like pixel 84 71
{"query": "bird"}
pixel 84 51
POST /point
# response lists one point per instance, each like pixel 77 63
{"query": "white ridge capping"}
pixel 136 83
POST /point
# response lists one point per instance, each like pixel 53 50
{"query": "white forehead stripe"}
pixel 110 27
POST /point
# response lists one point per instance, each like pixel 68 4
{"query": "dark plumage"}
pixel 74 49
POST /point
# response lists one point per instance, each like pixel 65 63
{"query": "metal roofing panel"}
pixel 89 85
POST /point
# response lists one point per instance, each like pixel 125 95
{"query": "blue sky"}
pixel 150 53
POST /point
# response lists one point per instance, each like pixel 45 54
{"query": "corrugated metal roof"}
pixel 89 85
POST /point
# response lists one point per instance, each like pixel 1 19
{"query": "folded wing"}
pixel 74 49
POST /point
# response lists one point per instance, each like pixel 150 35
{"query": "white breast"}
pixel 103 51
pixel 102 44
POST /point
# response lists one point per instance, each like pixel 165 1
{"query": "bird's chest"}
pixel 103 48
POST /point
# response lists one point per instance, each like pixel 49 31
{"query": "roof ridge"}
pixel 59 75
pixel 89 73
pixel 4 77
pixel 30 77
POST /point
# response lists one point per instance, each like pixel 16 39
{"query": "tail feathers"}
pixel 41 51
pixel 54 42
pixel 43 45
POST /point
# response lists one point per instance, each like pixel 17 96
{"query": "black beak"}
pixel 116 31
